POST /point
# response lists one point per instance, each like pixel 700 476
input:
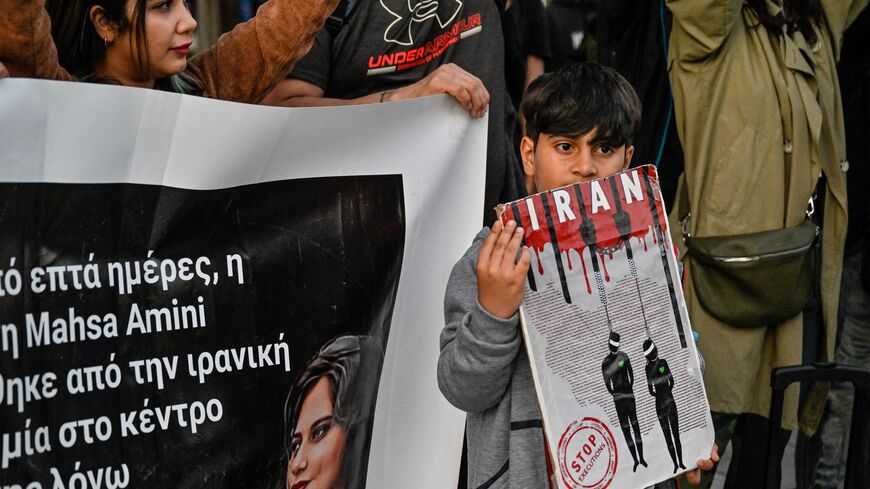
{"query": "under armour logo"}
pixel 577 39
pixel 409 13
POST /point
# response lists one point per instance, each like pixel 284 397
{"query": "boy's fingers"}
pixel 501 244
pixel 525 262
pixel 513 247
pixel 694 477
pixel 714 456
pixel 488 244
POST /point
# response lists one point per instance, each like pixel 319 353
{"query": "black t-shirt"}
pixel 530 19
pixel 854 73
pixel 569 33
pixel 385 45
pixel 527 34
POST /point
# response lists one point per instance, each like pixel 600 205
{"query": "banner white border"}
pixel 157 138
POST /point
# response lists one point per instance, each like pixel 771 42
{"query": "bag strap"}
pixel 684 212
pixel 340 16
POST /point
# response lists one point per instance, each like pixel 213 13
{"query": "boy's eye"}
pixel 605 149
pixel 564 147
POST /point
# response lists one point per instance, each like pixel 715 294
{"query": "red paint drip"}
pixel 585 275
pixel 540 265
pixel 568 255
pixel 604 266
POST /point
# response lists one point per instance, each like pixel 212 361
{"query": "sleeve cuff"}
pixel 493 329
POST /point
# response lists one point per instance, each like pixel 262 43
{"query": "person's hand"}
pixel 694 476
pixel 466 88
pixel 500 278
pixel 4 73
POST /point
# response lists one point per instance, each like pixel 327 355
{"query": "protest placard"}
pixel 605 325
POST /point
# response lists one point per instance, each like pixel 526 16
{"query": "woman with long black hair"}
pixel 145 43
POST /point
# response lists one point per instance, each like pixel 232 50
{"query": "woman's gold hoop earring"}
pixel 106 41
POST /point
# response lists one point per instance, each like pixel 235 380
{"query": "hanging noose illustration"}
pixel 660 382
pixel 623 225
pixel 616 367
pixel 663 252
pixel 587 232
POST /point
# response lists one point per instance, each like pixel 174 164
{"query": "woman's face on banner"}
pixel 317 446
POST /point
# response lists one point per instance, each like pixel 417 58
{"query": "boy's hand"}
pixel 500 278
pixel 694 476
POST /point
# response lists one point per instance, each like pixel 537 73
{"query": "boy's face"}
pixel 557 161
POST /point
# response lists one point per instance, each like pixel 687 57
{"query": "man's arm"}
pixel 248 61
pixel 839 15
pixel 449 79
pixel 534 68
pixel 701 27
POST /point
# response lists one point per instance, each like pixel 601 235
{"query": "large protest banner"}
pixel 204 294
pixel 607 331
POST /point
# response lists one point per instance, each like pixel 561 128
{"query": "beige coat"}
pixel 760 117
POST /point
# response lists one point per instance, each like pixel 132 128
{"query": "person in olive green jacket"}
pixel 759 114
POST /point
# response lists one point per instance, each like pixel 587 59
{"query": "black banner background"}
pixel 321 257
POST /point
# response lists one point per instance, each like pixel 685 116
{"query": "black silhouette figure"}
pixel 619 379
pixel 661 384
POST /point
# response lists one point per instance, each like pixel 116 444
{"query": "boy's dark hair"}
pixel 578 98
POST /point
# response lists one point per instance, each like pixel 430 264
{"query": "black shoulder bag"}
pixel 757 279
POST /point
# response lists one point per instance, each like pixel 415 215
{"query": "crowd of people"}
pixel 755 113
